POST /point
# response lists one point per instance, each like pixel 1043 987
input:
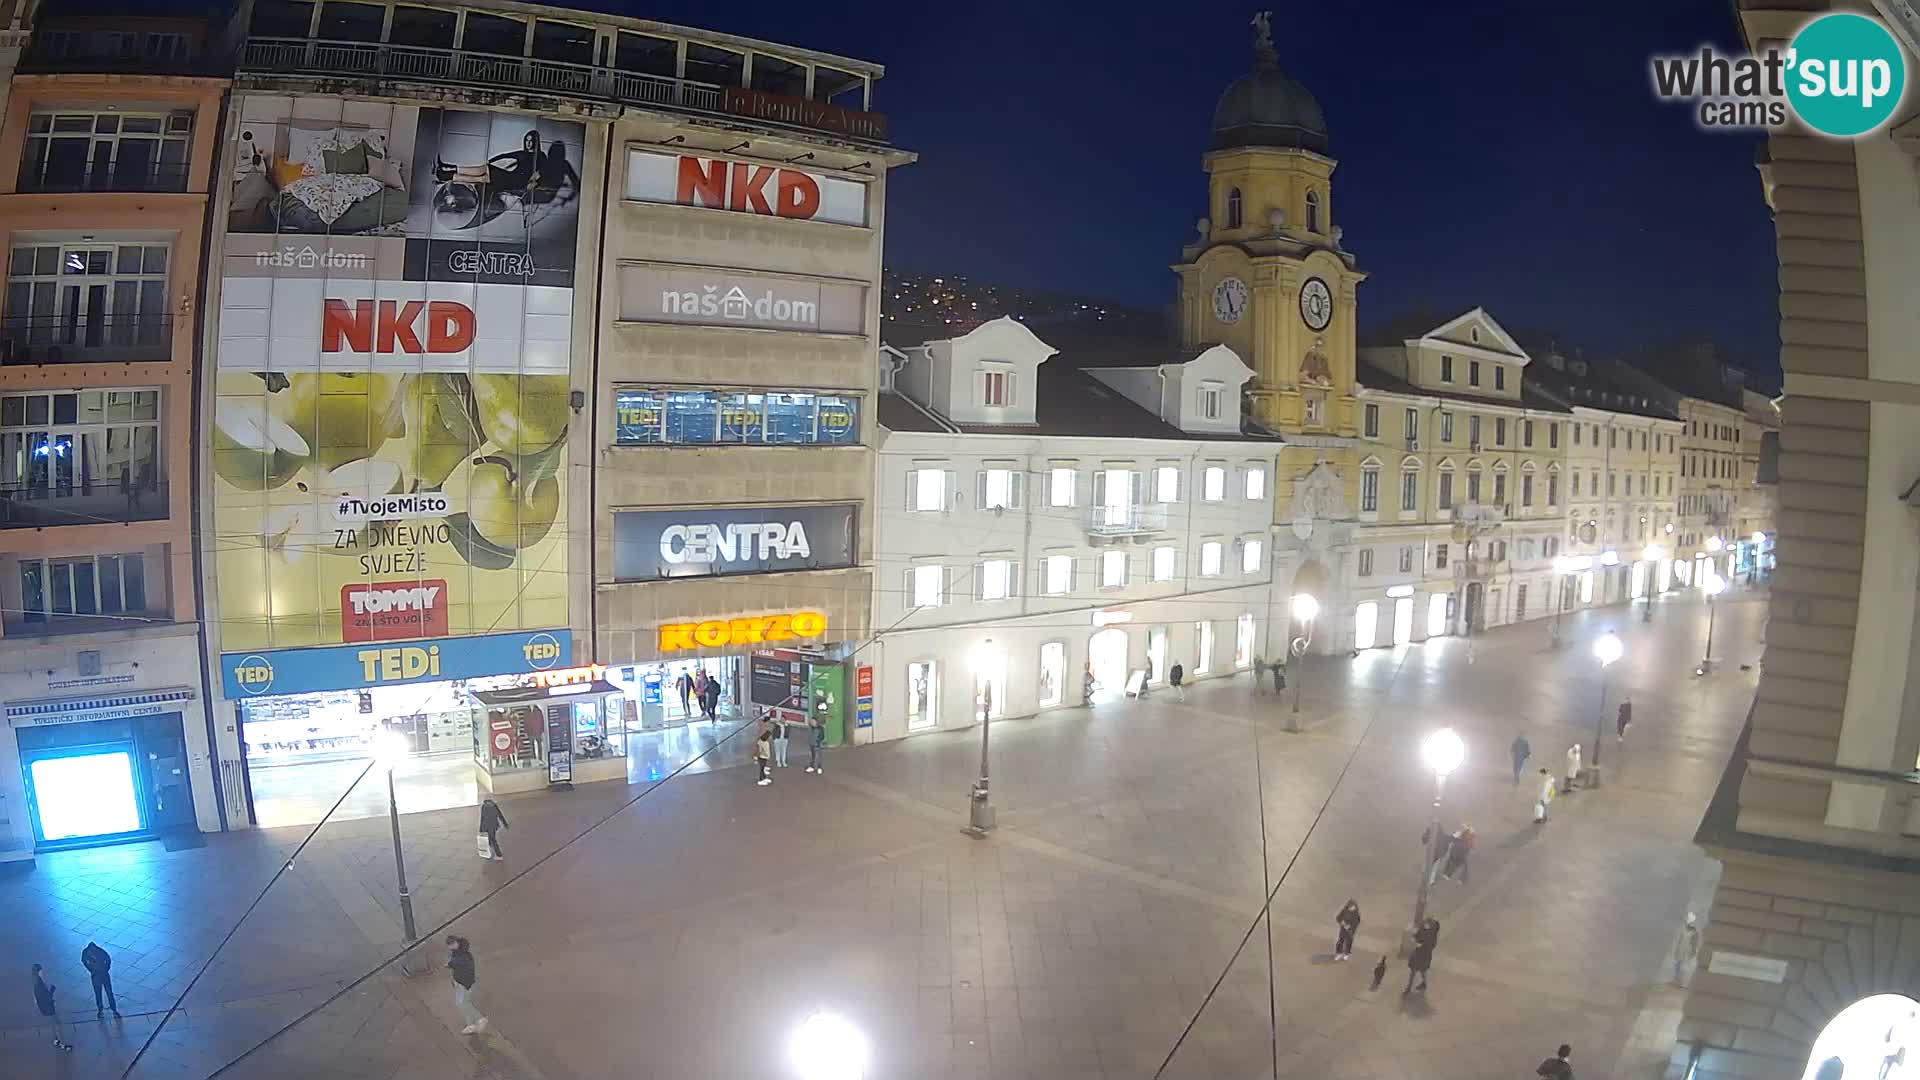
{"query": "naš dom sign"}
pixel 750 630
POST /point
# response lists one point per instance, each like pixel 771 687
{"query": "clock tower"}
pixel 1267 275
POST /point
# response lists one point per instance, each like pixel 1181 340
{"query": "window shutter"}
pixel 912 600
pixel 1099 487
pixel 1016 489
pixel 913 489
pixel 979 581
pixel 980 490
pixel 946 583
pixel 1013 579
pixel 949 489
pixel 1135 484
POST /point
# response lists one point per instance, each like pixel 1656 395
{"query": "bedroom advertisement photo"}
pixel 391 391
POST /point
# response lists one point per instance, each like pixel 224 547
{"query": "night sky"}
pixel 1512 156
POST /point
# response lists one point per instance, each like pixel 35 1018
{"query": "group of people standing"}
pixel 1550 787
pixel 771 742
pixel 99 965
pixel 699 688
pixel 1426 938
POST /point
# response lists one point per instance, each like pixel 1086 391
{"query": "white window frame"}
pixel 172 139
pixel 1208 400
pixel 1210 558
pixel 994 386
pixel 1406 558
pixel 1113 569
pixel 1165 562
pixel 1252 555
pixel 1409 489
pixel 1370 489
pixel 106 303
pixel 927 490
pixel 997 578
pixel 1166 484
pixel 1213 484
pixel 1062 482
pixel 1363 563
pixel 1057 575
pixel 1010 482
pixel 1255 483
pixel 1370 421
pixel 926 586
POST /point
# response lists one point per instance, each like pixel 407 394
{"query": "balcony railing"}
pixel 1478 514
pixel 45 505
pixel 128 178
pixel 107 339
pixel 347 59
pixel 1132 520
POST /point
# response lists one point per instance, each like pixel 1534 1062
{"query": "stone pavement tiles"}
pixel 689 934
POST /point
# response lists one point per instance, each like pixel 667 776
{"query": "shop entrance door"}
pixel 1403 620
pixel 84 794
pixel 1107 652
pixel 1157 655
pixel 1053 673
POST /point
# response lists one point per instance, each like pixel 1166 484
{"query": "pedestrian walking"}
pixel 1457 851
pixel 99 965
pixel 1546 798
pixel 1279 676
pixel 1440 854
pixel 43 1001
pixel 1573 768
pixel 684 684
pixel 1349 923
pixel 763 757
pixel 1521 751
pixel 1622 719
pixel 1379 972
pixel 1556 1067
pixel 465 975
pixel 1177 676
pixel 1259 674
pixel 1420 960
pixel 816 745
pixel 710 700
pixel 492 820
pixel 1087 685
pixel 1685 950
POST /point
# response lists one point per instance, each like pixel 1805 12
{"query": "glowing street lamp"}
pixel 1758 538
pixel 1607 649
pixel 1714 586
pixel 1442 751
pixel 828 1047
pixel 1305 607
pixel 980 813
pixel 1714 543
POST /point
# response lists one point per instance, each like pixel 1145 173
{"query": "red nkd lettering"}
pixel 796 195
pixel 389 326
pixel 701 183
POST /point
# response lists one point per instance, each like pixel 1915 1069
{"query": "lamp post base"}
pixel 1592 779
pixel 412 964
pixel 980 815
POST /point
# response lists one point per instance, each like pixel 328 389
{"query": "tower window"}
pixel 1313 211
pixel 1233 208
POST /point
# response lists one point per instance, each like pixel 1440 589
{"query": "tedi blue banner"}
pixel 356 667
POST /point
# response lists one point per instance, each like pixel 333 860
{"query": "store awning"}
pixel 527 695
pixel 81 710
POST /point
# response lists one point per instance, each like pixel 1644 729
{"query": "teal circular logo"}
pixel 1845 74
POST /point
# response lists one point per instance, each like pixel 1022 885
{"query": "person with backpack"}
pixel 43 1001
pixel 99 965
pixel 465 975
pixel 1177 676
pixel 1348 920
pixel 710 699
pixel 816 745
pixel 1556 1067
pixel 491 822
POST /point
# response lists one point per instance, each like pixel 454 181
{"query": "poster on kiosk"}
pixel 389 430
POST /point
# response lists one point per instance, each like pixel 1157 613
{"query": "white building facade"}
pixel 1045 531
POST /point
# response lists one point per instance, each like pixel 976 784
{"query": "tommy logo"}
pixel 392 326
pixel 386 612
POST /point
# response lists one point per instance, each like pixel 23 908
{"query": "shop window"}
pixel 773 75
pixel 494 34
pixel 645 55
pixel 1243 641
pixel 716 67
pixel 423 28
pixel 1053 673
pixel 1202 647
pixel 923 695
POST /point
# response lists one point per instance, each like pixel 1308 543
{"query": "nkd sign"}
pixel 653 544
pixel 745 187
pixel 699 297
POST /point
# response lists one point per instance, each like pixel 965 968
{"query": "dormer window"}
pixel 996 386
pixel 1233 208
pixel 1313 211
pixel 1210 400
pixel 1473 334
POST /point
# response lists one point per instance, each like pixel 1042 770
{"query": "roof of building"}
pixel 1068 402
pixel 1267 108
pixel 1580 382
pixel 1374 378
pixel 1692 370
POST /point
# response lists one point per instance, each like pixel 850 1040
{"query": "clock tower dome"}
pixel 1267 275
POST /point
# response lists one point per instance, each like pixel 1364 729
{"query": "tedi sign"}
pixel 653 544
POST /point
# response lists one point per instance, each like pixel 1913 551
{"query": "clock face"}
pixel 1230 300
pixel 1316 304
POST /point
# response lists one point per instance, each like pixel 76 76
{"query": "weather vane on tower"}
pixel 1262 24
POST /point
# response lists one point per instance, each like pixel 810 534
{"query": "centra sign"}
pixel 751 630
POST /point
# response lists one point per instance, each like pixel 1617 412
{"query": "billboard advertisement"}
pixel 389 435
pixel 695 296
pixel 745 187
pixel 715 541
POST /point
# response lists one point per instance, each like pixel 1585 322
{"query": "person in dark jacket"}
pixel 816 745
pixel 1177 675
pixel 1425 940
pixel 1621 721
pixel 1556 1067
pixel 491 822
pixel 99 965
pixel 684 684
pixel 465 975
pixel 1279 676
pixel 43 1001
pixel 1521 751
pixel 710 699
pixel 1349 922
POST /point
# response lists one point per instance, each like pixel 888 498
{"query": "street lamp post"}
pixel 1606 650
pixel 980 812
pixel 390 747
pixel 1443 751
pixel 1561 567
pixel 1305 607
pixel 1715 585
pixel 1653 554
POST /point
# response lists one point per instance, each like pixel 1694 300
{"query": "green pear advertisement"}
pixel 389 432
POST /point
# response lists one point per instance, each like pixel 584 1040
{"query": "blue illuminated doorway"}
pixel 85 794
